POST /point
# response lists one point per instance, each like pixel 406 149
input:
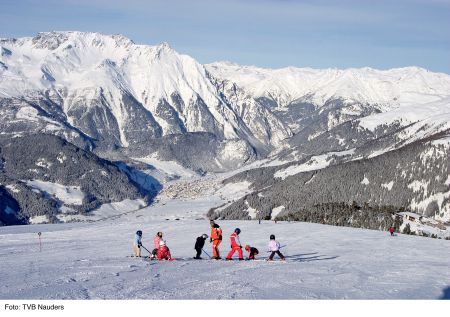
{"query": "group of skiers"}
pixel 162 252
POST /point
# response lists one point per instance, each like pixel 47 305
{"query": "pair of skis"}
pixel 174 259
pixel 150 254
pixel 148 258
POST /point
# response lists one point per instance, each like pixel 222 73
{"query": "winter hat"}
pixel 159 234
pixel 237 230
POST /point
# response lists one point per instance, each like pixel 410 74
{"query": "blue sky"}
pixel 268 33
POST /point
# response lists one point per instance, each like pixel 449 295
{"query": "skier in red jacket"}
pixel 235 245
pixel 163 251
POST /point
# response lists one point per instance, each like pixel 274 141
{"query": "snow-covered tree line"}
pixel 407 179
pixel 51 159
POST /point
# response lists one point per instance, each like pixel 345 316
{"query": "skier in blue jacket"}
pixel 137 243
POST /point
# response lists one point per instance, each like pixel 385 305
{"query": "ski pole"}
pixel 146 249
pixel 239 240
pixel 278 248
pixel 207 254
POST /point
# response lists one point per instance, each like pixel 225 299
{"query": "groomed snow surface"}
pixel 89 261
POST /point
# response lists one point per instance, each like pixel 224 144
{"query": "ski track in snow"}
pixel 90 261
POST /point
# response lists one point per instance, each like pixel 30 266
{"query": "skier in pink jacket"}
pixel 156 244
pixel 274 247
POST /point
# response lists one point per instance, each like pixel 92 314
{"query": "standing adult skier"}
pixel 199 243
pixel 274 247
pixel 216 239
pixel 235 245
pixel 156 244
pixel 137 243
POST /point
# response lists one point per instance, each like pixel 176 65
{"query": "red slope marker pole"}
pixel 40 243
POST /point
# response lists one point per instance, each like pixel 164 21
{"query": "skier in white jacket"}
pixel 274 247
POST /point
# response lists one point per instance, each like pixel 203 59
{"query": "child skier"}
pixel 156 244
pixel 199 243
pixel 163 251
pixel 274 247
pixel 216 239
pixel 137 243
pixel 235 246
pixel 253 251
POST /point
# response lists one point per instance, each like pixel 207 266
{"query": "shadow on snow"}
pixel 309 257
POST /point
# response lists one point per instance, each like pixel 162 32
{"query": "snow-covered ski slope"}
pixel 91 261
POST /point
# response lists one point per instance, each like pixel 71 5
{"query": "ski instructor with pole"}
pixel 215 239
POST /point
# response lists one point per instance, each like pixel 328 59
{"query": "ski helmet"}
pixel 272 237
pixel 204 236
pixel 139 233
pixel 237 230
pixel 159 234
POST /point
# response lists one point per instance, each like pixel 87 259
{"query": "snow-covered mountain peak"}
pixel 220 64
pixel 54 39
pixel 68 56
pixel 49 40
pixel 164 46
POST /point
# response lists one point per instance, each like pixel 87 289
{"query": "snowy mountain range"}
pixel 112 92
pixel 117 99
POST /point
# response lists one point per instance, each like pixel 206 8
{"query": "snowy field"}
pixel 90 261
